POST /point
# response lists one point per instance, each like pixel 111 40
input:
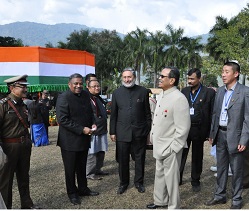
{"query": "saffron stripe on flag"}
pixel 46 55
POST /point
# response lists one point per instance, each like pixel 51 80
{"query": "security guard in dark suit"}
pixel 16 143
pixel 201 100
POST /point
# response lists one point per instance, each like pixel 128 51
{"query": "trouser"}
pixel 236 162
pixel 246 168
pixel 167 175
pixel 95 162
pixel 124 149
pixel 2 204
pixel 197 155
pixel 18 155
pixel 75 164
pixel 46 127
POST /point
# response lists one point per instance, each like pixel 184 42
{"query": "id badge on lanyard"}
pixel 224 112
pixel 192 111
pixel 224 115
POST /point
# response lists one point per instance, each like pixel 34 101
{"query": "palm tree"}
pixel 192 49
pixel 172 47
pixel 78 41
pixel 154 57
pixel 213 41
pixel 136 42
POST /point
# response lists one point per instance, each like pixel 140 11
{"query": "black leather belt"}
pixel 224 128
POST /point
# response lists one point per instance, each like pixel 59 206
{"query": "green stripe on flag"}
pixel 40 80
pixel 39 83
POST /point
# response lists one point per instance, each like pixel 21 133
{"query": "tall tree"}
pixel 136 43
pixel 78 41
pixel 106 46
pixel 191 48
pixel 155 47
pixel 230 39
pixel 173 50
pixel 213 41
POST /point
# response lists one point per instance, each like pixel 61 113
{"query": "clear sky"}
pixel 196 17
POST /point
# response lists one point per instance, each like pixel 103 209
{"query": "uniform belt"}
pixel 15 140
pixel 224 128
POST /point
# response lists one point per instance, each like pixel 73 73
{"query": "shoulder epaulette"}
pixel 4 100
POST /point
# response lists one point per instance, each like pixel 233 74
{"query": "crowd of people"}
pixel 178 120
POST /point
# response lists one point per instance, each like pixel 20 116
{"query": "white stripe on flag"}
pixel 43 69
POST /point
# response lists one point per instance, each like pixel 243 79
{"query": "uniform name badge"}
pixel 224 115
pixel 192 111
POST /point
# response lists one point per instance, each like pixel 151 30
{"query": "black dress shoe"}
pixel 153 206
pixel 215 201
pixel 140 188
pixel 88 193
pixel 196 188
pixel 34 207
pixel 245 186
pixel 102 173
pixel 238 206
pixel 122 189
pixel 75 200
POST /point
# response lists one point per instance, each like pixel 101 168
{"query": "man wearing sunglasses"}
pixel 169 132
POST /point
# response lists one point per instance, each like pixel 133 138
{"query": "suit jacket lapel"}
pixel 220 99
pixel 188 93
pixel 202 94
pixel 235 96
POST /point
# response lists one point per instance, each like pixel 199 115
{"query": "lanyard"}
pixel 191 98
pixel 227 100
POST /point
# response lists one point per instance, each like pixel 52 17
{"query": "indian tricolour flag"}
pixel 47 68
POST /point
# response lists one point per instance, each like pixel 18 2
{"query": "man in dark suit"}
pixel 75 117
pixel 92 77
pixel 46 107
pixel 230 132
pixel 130 124
pixel 201 100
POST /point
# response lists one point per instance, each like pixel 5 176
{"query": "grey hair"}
pixel 130 69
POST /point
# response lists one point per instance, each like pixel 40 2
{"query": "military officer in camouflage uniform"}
pixel 16 143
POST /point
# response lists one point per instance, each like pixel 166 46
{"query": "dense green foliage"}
pixel 10 41
pixel 148 52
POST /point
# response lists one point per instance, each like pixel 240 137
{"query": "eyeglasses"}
pixel 163 76
pixel 95 87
